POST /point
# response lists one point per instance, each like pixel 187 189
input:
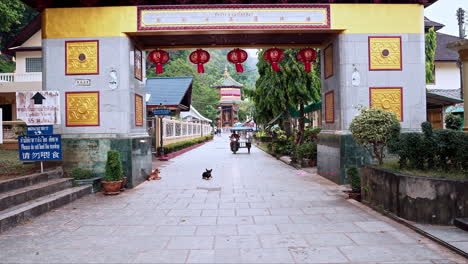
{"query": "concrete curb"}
pixel 280 158
pixel 408 224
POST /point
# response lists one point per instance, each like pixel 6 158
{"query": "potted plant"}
pixel 355 182
pixel 112 181
pixel 84 177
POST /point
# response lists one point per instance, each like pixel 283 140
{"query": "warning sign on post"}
pixel 38 107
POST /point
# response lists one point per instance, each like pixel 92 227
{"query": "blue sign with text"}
pixel 161 112
pixel 40 148
pixel 40 130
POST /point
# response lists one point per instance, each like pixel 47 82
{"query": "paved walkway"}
pixel 255 210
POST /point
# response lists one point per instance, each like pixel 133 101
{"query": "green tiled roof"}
pixel 226 81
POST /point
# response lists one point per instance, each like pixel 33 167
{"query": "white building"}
pixel 27 50
pixel 445 90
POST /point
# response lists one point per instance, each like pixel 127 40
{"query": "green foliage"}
pixel 439 150
pixel 14 16
pixel 114 171
pixel 453 122
pixel 307 150
pixel 173 147
pixel 354 179
pixel 431 45
pixel 277 92
pixel 311 133
pixel 81 174
pixel 374 129
pixel 6 65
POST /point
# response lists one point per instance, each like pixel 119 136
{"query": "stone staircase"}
pixel 26 197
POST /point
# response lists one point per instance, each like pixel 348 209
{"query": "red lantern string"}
pixel 274 56
pixel 307 56
pixel 200 57
pixel 237 57
pixel 159 57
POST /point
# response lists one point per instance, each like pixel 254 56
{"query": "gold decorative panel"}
pixel 330 107
pixel 385 53
pixel 82 57
pixel 388 99
pixel 328 65
pixel 138 110
pixel 82 108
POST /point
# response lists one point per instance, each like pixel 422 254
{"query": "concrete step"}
pixel 461 223
pixel 22 195
pixel 25 181
pixel 15 215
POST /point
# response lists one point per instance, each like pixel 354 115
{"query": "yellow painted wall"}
pixel 113 21
pixel 89 22
pixel 378 18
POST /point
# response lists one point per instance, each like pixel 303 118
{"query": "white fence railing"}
pixel 176 129
pixel 21 77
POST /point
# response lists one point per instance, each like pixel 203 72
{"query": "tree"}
pixel 430 55
pixel 453 122
pixel 277 92
pixel 374 129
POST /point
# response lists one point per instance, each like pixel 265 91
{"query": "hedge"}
pixel 173 147
pixel 432 149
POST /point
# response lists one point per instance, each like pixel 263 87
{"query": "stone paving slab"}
pixel 256 209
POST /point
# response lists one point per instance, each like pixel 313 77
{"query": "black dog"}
pixel 207 174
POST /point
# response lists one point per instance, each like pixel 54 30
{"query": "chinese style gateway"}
pixel 105 42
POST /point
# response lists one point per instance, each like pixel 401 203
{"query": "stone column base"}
pixel 336 152
pixel 90 153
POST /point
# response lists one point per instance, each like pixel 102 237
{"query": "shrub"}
pixel 81 174
pixel 373 129
pixel 311 133
pixel 354 179
pixel 114 171
pixel 306 150
pixel 453 122
pixel 432 149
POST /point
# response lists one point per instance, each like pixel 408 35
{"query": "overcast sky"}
pixel 444 11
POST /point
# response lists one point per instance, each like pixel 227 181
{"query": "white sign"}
pixel 82 82
pixel 1 126
pixel 38 107
pixel 238 17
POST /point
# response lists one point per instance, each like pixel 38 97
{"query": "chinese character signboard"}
pixel 40 148
pixel 38 108
pixel 39 130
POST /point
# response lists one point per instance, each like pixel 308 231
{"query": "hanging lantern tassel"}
pixel 237 57
pixel 158 58
pixel 274 56
pixel 307 56
pixel 199 57
pixel 239 67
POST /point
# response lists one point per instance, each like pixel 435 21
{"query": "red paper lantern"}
pixel 307 56
pixel 199 57
pixel 237 57
pixel 159 57
pixel 274 56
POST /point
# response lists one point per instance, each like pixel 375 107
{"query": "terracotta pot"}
pixel 124 182
pixel 111 187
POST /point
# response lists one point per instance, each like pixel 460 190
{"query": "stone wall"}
pixel 418 199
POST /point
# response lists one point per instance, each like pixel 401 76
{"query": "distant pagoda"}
pixel 230 92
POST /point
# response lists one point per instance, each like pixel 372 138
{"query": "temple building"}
pixel 230 92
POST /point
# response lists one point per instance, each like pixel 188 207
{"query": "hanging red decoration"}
pixel 307 56
pixel 199 57
pixel 159 57
pixel 237 57
pixel 274 56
